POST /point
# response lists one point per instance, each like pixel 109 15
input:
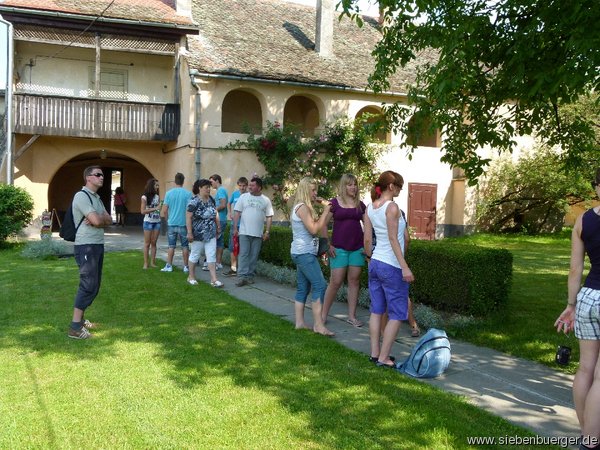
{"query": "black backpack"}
pixel 68 230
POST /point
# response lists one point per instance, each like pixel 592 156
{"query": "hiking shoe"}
pixel 82 333
pixel 186 269
pixel 230 273
pixel 167 268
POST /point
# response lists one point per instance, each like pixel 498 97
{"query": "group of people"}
pixel 376 234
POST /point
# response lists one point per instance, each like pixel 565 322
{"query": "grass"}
pixel 539 294
pixel 176 366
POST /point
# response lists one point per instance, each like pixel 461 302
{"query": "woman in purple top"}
pixel 346 257
pixel 582 314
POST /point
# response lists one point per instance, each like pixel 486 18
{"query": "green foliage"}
pixel 46 249
pixel 464 279
pixel 344 146
pixel 489 71
pixel 532 194
pixel 16 210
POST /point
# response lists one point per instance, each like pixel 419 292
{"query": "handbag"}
pixel 323 246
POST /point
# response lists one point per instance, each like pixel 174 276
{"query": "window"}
pixel 113 83
pixel 240 109
pixel 420 132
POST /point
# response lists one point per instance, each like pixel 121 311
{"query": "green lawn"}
pixel 538 296
pixel 177 366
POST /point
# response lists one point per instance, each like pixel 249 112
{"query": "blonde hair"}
pixel 304 194
pixel 347 179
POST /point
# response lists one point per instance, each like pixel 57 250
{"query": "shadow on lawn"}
pixel 200 330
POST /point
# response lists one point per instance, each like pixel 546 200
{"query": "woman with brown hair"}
pixel 150 208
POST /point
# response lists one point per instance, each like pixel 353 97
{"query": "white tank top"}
pixel 303 242
pixel 383 249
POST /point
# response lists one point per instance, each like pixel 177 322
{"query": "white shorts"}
pixel 587 314
pixel 209 248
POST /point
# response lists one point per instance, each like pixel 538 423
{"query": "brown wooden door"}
pixel 422 199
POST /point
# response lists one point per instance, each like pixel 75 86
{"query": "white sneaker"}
pixel 205 267
pixel 219 266
pixel 167 268
pixel 185 269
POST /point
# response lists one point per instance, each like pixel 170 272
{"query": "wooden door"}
pixel 422 198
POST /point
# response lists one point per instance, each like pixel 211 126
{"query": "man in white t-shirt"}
pixel 254 213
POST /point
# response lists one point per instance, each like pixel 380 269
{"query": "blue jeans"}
pixel 309 275
pixel 175 231
pixel 248 258
pixel 89 258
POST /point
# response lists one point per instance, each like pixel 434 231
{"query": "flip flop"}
pixel 382 364
pixel 374 359
pixel 416 332
pixel 355 323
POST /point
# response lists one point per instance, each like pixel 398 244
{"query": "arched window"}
pixel 420 132
pixel 373 117
pixel 240 109
pixel 301 112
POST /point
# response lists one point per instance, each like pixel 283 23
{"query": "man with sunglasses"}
pixel 89 247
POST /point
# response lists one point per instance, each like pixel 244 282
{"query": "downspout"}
pixel 197 124
pixel 9 99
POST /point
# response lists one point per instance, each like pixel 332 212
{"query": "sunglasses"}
pixel 98 175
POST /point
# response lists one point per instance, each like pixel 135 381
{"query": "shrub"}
pixel 46 249
pixel 16 210
pixel 463 278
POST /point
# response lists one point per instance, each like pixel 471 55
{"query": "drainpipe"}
pixel 197 124
pixel 9 99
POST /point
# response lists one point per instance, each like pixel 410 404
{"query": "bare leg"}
pixel 586 387
pixel 213 272
pixel 186 256
pixel 353 288
pixel 375 333
pixel 170 254
pixel 318 325
pixel 147 239
pixel 299 312
pixel 192 272
pixel 153 240
pixel 389 335
pixel 77 315
pixel 335 282
pixel 219 255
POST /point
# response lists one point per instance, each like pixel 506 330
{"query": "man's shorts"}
pixel 172 236
pixel 344 258
pixel 587 314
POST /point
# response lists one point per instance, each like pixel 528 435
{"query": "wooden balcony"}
pixel 91 118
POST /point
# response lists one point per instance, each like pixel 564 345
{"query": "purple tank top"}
pixel 347 228
pixel 590 235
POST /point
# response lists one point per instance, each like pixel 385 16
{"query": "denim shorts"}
pixel 309 277
pixel 151 226
pixel 221 240
pixel 587 314
pixel 173 232
pixel 388 291
pixel 344 258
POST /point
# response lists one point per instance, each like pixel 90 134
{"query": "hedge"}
pixel 450 277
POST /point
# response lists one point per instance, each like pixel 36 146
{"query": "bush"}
pixel 464 278
pixel 46 249
pixel 16 210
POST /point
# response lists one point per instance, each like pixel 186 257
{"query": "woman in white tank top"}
pixel 304 254
pixel 389 273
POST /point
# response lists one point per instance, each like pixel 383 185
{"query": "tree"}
pixel 504 68
pixel 16 206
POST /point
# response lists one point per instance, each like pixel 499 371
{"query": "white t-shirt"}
pixel 254 209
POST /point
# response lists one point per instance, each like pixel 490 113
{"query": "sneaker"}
pixel 192 282
pixel 89 325
pixel 205 267
pixel 167 268
pixel 242 282
pixel 186 269
pixel 219 266
pixel 250 280
pixel 82 333
pixel 230 273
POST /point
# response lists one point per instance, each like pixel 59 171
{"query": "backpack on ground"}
pixel 429 357
pixel 68 230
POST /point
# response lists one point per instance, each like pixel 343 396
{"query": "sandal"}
pixel 415 332
pixel 355 323
pixel 216 284
pixel 389 366
pixel 374 359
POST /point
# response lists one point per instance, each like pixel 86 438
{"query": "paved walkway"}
pixel 528 394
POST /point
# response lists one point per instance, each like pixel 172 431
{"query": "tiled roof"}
pixel 160 11
pixel 273 39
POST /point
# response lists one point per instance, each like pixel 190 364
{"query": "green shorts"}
pixel 344 258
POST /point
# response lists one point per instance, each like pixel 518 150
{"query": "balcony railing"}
pixel 101 119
